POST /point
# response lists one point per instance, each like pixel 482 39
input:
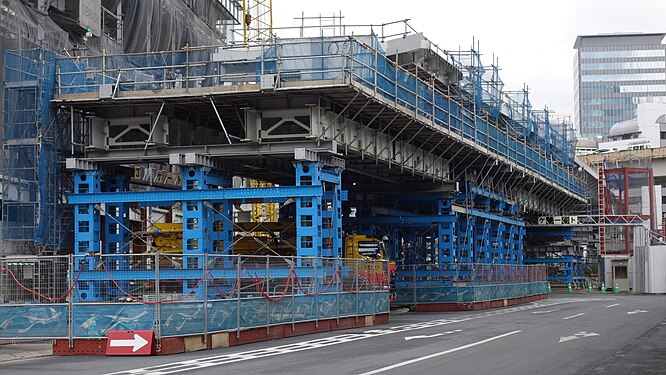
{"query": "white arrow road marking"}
pixel 578 335
pixel 137 343
pixel 573 316
pixel 545 312
pixel 636 312
pixel 431 336
pixel 613 305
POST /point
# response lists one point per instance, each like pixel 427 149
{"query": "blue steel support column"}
pixel 482 240
pixel 308 211
pixel 511 244
pixel 497 241
pixel 518 246
pixel 446 235
pixel 87 225
pixel 222 231
pixel 116 230
pixel 465 238
pixel 197 224
pixel 331 213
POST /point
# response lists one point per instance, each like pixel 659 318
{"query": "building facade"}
pixel 646 130
pixel 613 74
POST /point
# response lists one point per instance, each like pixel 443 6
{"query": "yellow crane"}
pixel 257 21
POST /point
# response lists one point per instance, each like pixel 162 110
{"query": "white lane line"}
pixel 613 305
pixel 573 316
pixel 449 351
pixel 545 312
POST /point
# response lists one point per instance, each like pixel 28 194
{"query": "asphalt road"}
pixel 579 334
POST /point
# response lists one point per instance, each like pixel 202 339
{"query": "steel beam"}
pixel 196 195
pixel 212 151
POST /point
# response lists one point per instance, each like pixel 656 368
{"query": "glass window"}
pixel 643 88
pixel 624 65
pixel 616 54
pixel 623 77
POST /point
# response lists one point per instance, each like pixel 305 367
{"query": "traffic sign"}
pixel 129 342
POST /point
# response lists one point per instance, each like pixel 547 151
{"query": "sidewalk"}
pixel 14 350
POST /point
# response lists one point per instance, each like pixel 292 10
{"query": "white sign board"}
pixel 90 15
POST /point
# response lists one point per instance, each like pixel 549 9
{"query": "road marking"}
pixel 188 365
pixel 449 351
pixel 545 312
pixel 613 305
pixel 407 338
pixel 636 312
pixel 573 316
pixel 578 335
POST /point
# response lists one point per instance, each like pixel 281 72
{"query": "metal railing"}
pixel 467 282
pixel 175 294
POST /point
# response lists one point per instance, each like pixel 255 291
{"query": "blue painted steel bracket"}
pixel 500 218
pixel 566 233
pixel 173 196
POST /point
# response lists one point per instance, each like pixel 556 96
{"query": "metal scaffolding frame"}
pixel 34 147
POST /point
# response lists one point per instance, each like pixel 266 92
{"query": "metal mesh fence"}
pixel 468 282
pixel 34 279
pixel 87 296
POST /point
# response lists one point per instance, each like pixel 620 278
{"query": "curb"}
pixel 25 355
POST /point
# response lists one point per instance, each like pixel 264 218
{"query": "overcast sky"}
pixel 533 40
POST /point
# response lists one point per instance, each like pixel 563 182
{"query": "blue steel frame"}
pixel 489 233
pixel 116 228
pixel 87 229
pixel 319 218
pixel 207 199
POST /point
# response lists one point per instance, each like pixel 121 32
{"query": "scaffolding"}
pixel 33 186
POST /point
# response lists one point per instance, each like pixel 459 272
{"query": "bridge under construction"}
pixel 289 180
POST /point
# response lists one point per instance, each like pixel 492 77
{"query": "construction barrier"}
pixel 468 283
pixel 227 293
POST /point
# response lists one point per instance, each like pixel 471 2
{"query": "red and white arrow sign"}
pixel 129 342
pixel 136 343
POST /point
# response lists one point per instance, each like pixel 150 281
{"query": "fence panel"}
pixel 176 294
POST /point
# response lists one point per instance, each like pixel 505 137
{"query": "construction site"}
pixel 187 168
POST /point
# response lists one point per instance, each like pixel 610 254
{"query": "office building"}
pixel 613 73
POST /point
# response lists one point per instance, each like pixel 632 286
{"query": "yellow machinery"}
pixel 276 238
pixel 370 248
pixel 167 238
pixel 262 212
pixel 363 247
pixel 263 238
